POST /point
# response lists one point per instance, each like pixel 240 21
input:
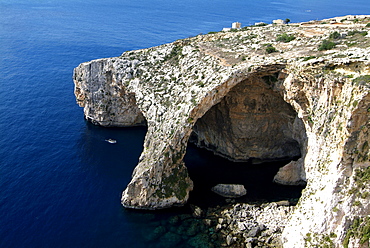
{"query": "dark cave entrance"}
pixel 245 139
pixel 207 170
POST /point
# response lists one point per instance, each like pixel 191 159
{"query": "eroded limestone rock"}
pixel 291 174
pixel 172 86
pixel 251 122
pixel 230 190
pixel 104 99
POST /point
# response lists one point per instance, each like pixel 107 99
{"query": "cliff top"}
pixel 337 37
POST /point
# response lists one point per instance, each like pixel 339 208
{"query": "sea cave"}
pixel 245 139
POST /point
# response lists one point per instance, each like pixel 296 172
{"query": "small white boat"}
pixel 112 141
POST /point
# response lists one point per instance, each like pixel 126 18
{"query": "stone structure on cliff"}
pixel 250 95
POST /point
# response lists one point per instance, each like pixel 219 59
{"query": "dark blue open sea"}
pixel 60 182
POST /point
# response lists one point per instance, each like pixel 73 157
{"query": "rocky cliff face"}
pixel 243 100
pixel 251 122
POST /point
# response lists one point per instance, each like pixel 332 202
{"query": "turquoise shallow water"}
pixel 60 181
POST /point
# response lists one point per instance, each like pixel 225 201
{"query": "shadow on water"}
pixel 109 168
pixel 176 227
pixel 207 170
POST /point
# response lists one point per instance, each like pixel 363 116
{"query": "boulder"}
pixel 197 211
pixel 291 174
pixel 230 190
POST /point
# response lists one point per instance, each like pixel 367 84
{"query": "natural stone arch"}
pixel 254 122
pixel 160 179
pixel 251 122
pixel 177 83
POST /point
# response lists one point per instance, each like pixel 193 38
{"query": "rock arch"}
pixel 251 122
pixel 254 123
pixel 161 180
pixel 174 85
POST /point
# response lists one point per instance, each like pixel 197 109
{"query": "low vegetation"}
pixel 362 80
pixel 354 32
pixel 285 37
pixel 360 229
pixel 270 48
pixel 175 54
pixel 326 45
pixel 335 35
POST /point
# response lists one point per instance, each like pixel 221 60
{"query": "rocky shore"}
pixel 246 225
pixel 233 225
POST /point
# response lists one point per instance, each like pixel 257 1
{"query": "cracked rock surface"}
pixel 314 101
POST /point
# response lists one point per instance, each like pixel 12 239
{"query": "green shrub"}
pixel 326 45
pixel 270 48
pixel 261 24
pixel 368 25
pixel 285 37
pixel 334 35
pixel 356 203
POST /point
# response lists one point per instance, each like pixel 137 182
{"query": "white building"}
pixel 278 21
pixel 234 25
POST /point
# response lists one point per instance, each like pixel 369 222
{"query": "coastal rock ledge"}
pixel 257 94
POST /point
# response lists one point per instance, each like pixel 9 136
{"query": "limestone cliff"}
pixel 250 95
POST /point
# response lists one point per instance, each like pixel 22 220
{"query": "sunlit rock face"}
pixel 291 174
pixel 105 101
pixel 244 102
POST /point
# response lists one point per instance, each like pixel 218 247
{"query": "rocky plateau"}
pixel 259 93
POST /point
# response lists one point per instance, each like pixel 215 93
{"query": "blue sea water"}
pixel 60 182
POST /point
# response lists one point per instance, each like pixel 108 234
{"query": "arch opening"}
pixel 245 139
